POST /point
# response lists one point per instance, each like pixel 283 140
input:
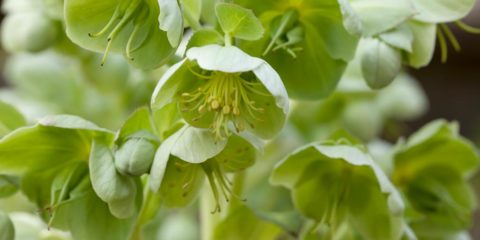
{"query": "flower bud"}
pixel 135 157
pixel 381 63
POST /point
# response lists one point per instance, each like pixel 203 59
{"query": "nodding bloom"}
pixel 179 175
pixel 225 90
pixel 130 27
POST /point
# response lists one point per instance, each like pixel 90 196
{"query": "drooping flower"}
pixel 130 27
pixel 190 155
pixel 223 88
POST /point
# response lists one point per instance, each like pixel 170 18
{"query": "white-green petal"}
pixel 166 88
pixel 380 15
pixel 273 83
pixel 441 11
pixel 157 171
pixel 195 145
pixel 424 36
pixel 171 20
pixel 224 59
pixel 400 37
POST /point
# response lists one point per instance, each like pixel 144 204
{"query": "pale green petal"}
pixel 423 43
pixel 195 145
pixel 224 59
pixel 441 11
pixel 171 20
pixel 400 37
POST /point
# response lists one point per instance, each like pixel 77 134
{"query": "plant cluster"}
pixel 228 120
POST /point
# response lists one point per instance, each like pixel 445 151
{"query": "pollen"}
pixel 228 98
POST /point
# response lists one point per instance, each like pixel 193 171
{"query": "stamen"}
pixel 226 96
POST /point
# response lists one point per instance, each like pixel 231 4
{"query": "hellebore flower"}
pixel 185 158
pixel 222 87
pixel 128 26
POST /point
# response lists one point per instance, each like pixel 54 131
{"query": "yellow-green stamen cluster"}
pixel 136 12
pixel 219 184
pixel 227 96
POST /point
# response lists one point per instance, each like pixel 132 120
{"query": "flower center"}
pixel 137 12
pixel 227 97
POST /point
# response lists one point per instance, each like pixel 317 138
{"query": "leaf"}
pixel 381 63
pixel 138 121
pixel 8 185
pixel 71 122
pixel 441 11
pixel 10 119
pixel 196 145
pixel 7 232
pixel 239 22
pixel 101 224
pixel 106 181
pixel 205 37
pixel 42 147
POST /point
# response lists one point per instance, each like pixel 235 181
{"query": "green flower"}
pixel 127 26
pixel 215 86
pixel 305 41
pixel 186 158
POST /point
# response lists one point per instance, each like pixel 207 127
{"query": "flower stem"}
pixel 144 215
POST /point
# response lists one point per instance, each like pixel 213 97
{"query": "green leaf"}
pixel 205 37
pixel 7 232
pixel 358 190
pixel 88 211
pixel 381 63
pixel 71 122
pixel 239 22
pixel 8 185
pixel 42 147
pixel 441 11
pixel 139 121
pixel 10 119
pixel 106 181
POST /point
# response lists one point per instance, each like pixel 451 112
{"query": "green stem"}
pixel 228 40
pixel 143 217
pixel 207 219
pixel 194 24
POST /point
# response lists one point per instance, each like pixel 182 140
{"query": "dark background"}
pixel 453 89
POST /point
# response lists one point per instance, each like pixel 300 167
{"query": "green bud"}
pixel 28 31
pixel 363 119
pixel 135 157
pixel 381 63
